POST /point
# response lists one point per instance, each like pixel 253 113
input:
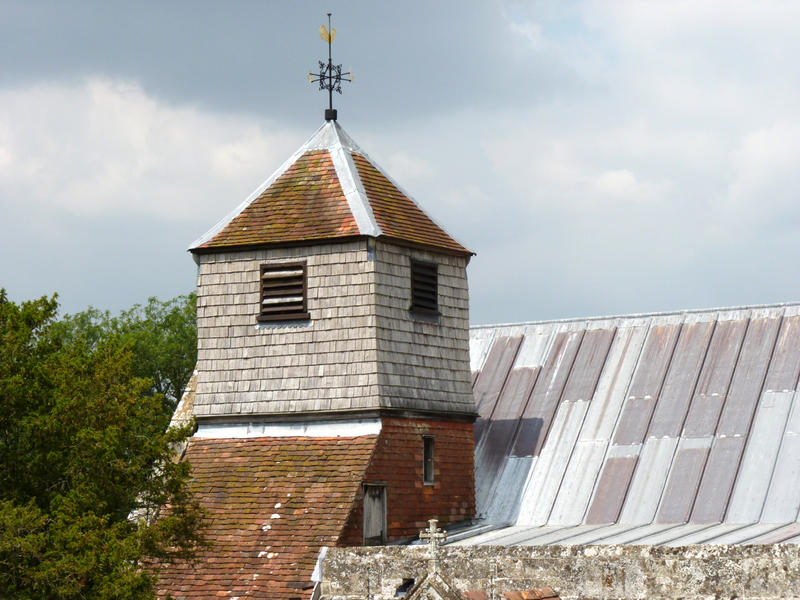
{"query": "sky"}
pixel 599 157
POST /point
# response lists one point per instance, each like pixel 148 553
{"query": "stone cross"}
pixel 436 537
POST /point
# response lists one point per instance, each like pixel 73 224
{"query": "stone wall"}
pixel 397 462
pixel 424 363
pixel 598 572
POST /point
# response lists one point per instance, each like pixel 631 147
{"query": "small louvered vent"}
pixel 424 287
pixel 283 292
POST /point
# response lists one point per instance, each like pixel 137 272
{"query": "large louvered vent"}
pixel 424 287
pixel 283 292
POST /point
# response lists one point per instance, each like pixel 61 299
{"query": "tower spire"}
pixel 330 76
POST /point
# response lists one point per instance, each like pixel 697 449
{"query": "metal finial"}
pixel 330 76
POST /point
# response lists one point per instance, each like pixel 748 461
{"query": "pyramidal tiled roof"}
pixel 328 189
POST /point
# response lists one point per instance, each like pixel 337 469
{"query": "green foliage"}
pixel 161 335
pixel 83 447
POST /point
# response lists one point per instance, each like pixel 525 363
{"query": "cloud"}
pixel 107 147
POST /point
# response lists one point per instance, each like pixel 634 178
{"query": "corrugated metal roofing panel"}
pixel 495 444
pixel 649 480
pixel 752 483
pixel 684 479
pixel 546 394
pixel 789 533
pixel 612 387
pixel 785 367
pixel 542 488
pixel 783 497
pixel 676 393
pixel 631 535
pixel 609 494
pixel 704 534
pixel 494 373
pixel 717 480
pixel 578 483
pixel 654 361
pixel 715 377
pixel 554 536
pixel 670 537
pixel 480 340
pixel 534 348
pixel 681 379
pixel 585 372
pixel 748 378
pixel 741 534
pixel 503 506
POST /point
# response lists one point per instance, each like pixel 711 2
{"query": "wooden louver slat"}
pixel 283 292
pixel 424 287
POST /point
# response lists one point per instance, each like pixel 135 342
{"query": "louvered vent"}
pixel 424 287
pixel 283 292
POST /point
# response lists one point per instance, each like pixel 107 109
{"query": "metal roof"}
pixel 668 428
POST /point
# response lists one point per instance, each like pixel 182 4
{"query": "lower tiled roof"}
pixel 271 504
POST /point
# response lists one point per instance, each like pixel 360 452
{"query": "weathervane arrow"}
pixel 330 76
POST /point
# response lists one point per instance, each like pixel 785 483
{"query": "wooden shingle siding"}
pixel 361 348
pixel 326 363
pixel 423 363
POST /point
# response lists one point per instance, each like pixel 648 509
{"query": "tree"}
pixel 83 447
pixel 161 335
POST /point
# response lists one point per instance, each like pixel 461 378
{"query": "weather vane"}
pixel 330 76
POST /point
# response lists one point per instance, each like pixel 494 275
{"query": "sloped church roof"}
pixel 328 189
pixel 663 429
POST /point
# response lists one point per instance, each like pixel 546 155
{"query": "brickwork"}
pixel 270 503
pixel 423 362
pixel 326 363
pixel 397 462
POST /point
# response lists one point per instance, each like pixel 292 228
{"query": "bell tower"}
pixel 333 391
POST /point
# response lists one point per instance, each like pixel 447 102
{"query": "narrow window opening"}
pixel 427 459
pixel 283 292
pixel 424 287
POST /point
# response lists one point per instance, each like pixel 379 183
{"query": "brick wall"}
pixel 397 462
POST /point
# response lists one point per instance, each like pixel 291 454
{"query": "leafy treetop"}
pixel 86 462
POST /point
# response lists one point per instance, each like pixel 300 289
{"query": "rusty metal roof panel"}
pixel 638 427
pixel 538 415
pixel 748 377
pixel 715 377
pixel 717 480
pixel 681 379
pixel 784 368
pixel 611 489
pixel 684 479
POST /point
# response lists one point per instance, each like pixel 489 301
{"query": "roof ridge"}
pixel 405 193
pixel 350 181
pixel 686 311
pixel 222 223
